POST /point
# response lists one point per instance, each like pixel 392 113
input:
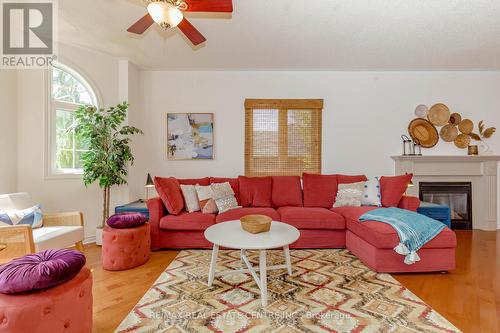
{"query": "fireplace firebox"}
pixel 456 195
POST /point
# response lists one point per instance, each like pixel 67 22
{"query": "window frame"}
pixel 52 106
pixel 282 106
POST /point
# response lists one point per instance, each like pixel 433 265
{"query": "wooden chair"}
pixel 59 230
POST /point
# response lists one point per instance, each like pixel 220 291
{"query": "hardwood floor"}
pixel 469 297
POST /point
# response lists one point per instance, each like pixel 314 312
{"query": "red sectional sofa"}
pixel 307 206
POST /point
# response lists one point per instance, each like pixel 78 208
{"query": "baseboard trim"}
pixel 89 240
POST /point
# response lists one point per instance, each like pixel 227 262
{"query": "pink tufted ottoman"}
pixel 125 248
pixel 66 308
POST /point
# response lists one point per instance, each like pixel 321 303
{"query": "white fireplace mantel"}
pixel 480 171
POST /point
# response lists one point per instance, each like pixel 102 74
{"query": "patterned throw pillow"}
pixel 206 199
pixel 190 198
pixel 349 194
pixel 371 193
pixel 32 216
pixel 224 197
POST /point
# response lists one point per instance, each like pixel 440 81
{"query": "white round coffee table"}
pixel 231 235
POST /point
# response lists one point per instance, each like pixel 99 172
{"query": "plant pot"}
pixel 98 236
pixel 472 150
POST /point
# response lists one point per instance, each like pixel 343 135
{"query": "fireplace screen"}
pixel 455 195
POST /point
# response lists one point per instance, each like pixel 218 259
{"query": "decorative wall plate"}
pixel 423 132
pixel 448 133
pixel 439 114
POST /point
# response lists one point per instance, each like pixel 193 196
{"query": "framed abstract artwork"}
pixel 190 136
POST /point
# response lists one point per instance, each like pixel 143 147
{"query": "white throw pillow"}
pixel 371 193
pixel 349 194
pixel 190 198
pixel 224 197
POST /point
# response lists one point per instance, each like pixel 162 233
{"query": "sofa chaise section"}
pixel 373 243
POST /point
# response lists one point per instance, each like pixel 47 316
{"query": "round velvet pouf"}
pixel 125 248
pixel 65 308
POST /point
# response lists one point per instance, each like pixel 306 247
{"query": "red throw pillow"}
pixel 348 179
pixel 287 191
pixel 255 191
pixel 200 181
pixel 393 188
pixel 235 185
pixel 170 193
pixel 319 190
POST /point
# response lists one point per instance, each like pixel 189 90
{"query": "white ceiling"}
pixel 300 35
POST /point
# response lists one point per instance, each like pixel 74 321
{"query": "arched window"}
pixel 69 90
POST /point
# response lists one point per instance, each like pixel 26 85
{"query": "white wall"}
pixel 8 137
pixel 365 113
pixel 364 116
pixel 61 194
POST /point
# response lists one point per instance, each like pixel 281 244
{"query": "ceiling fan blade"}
pixel 191 32
pixel 220 6
pixel 142 25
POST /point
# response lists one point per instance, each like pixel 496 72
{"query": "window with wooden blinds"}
pixel 282 136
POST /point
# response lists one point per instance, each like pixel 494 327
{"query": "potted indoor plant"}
pixel 109 153
pixel 484 133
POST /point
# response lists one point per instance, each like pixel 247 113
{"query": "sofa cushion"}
pixel 348 179
pixel 235 214
pixel 287 191
pixel 187 221
pixel 319 190
pixel 393 188
pixel 170 193
pixel 57 237
pixel 193 181
pixel 255 191
pixel 311 218
pixel 235 185
pixel 383 236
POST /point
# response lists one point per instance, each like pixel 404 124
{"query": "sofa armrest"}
pixel 156 211
pixel 409 203
pixel 63 219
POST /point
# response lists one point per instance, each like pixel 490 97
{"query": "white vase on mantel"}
pixel 484 148
pixel 98 236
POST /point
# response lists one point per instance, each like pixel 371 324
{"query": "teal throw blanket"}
pixel 414 230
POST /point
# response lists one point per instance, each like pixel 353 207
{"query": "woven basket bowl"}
pixel 255 224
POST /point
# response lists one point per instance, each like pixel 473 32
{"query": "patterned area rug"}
pixel 330 291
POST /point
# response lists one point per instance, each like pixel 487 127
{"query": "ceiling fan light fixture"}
pixel 165 14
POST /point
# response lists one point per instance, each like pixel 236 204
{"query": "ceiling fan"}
pixel 169 14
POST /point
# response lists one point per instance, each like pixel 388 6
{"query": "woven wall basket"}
pixel 439 114
pixel 423 132
pixel 466 126
pixel 455 118
pixel 462 141
pixel 449 133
